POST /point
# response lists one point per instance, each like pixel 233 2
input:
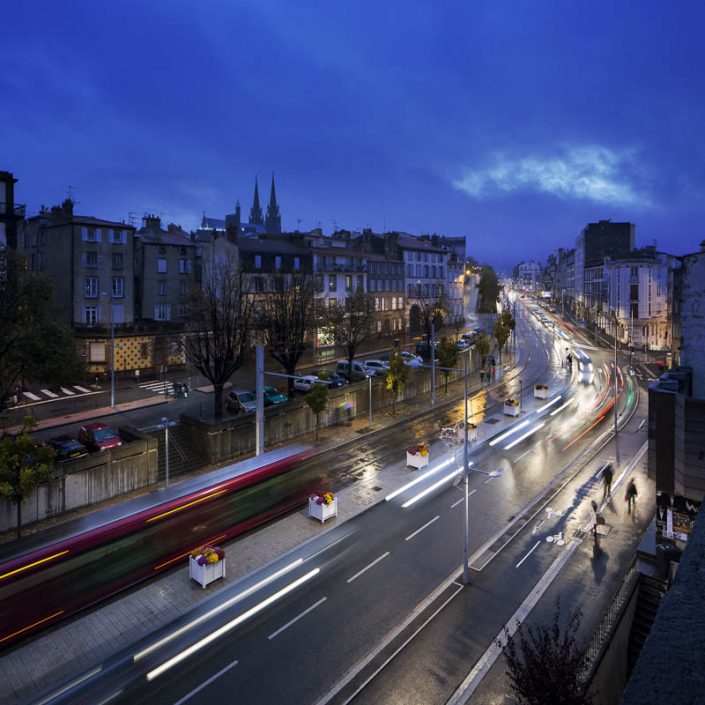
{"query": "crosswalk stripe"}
pixel 82 389
pixel 68 391
pixel 50 394
pixel 31 396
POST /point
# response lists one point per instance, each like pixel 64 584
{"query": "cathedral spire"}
pixel 273 221
pixel 256 210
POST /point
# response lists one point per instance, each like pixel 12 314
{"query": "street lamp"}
pixel 521 394
pixel 112 350
pixel 466 469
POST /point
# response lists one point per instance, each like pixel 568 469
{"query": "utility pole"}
pixel 466 469
pixel 259 409
pixel 433 363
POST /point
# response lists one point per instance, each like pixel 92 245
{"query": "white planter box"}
pixel 511 409
pixel 207 573
pixel 418 460
pixel 322 511
pixel 540 393
pixel 471 434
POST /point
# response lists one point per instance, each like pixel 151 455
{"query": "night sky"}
pixel 513 123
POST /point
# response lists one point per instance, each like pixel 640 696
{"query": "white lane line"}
pixel 400 649
pixel 524 454
pixel 70 685
pixel 487 660
pixel 206 683
pixel 536 545
pixel 418 531
pixel 489 479
pixel 297 618
pixel 49 393
pixel 82 389
pixel 70 392
pixel 462 499
pixel 538 526
pixel 366 568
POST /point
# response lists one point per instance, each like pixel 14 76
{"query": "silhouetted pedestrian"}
pixel 482 376
pixel 607 476
pixel 630 495
pixel 593 517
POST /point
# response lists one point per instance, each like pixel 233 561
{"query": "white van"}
pixel 359 370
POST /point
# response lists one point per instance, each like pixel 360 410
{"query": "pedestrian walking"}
pixel 630 495
pixel 593 517
pixel 607 476
pixel 482 375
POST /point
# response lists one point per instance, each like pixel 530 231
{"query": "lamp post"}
pixel 521 394
pixel 369 381
pixel 466 527
pixel 164 423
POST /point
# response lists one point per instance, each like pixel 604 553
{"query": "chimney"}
pixel 67 209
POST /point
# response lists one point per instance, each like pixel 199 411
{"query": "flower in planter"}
pixel 512 402
pixel 418 449
pixel 540 386
pixel 207 555
pixel 325 498
pixel 471 426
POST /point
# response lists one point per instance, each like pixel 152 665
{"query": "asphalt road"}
pixel 376 580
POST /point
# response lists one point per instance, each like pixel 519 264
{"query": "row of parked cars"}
pixel 92 438
pixel 240 401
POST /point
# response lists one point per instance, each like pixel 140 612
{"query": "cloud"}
pixel 591 173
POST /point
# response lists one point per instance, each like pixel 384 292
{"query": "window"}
pixel 90 235
pixel 410 270
pixel 162 312
pixel 348 282
pixel 360 281
pixel 419 270
pixel 96 352
pixel 117 237
pixel 184 266
pixel 90 288
pixel 161 287
pixel 183 288
pixel 297 263
pixel 258 261
pixel 372 285
pixel 162 250
pixel 90 315
pixel 277 262
pixel 332 282
pixel 379 326
pixel 117 287
pixel 117 260
pixel 425 271
pixel 376 303
pixel 161 265
pixel 183 311
pixel 144 349
pixel 90 260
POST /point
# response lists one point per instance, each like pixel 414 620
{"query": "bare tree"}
pixel 432 311
pixel 397 376
pixel 219 329
pixel 546 664
pixel 352 322
pixel 284 315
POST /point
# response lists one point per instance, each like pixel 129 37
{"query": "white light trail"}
pixel 526 435
pixel 431 488
pixel 508 433
pixel 420 478
pixel 548 405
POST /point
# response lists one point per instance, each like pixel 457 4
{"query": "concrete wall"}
pixel 692 324
pixel 85 481
pixel 236 436
pixel 689 448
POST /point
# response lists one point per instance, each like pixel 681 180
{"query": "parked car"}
pixel 67 448
pixel 272 396
pixel 380 367
pixel 359 370
pixel 333 378
pixel 305 382
pixel 240 401
pixel 411 360
pixel 98 436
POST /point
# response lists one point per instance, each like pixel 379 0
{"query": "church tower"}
pixel 273 221
pixel 256 211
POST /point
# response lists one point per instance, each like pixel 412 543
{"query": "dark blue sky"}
pixel 514 123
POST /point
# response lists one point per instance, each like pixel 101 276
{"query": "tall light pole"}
pixel 432 343
pixel 112 348
pixel 615 380
pixel 466 527
pixel 521 394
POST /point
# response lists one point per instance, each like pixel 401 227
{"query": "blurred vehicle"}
pixel 98 436
pixel 333 378
pixel 411 360
pixel 240 401
pixel 67 448
pixel 358 373
pixel 462 344
pixel 304 383
pixel 272 396
pixel 380 367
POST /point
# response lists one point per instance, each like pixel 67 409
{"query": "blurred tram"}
pixel 57 572
pixel 586 373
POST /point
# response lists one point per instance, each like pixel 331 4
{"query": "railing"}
pixel 604 631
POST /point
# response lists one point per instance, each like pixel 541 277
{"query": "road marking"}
pixel 297 618
pixel 490 478
pixel 462 499
pixel 487 660
pixel 206 683
pixel 70 685
pixel 82 389
pixel 31 396
pixel 401 648
pixel 536 545
pixel 366 568
pixel 427 524
pixel 49 393
pixel 70 392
